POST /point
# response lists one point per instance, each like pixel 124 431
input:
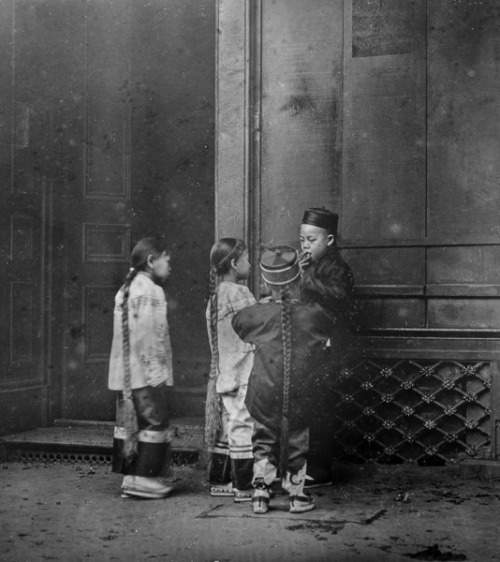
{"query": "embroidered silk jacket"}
pixel 235 356
pixel 150 348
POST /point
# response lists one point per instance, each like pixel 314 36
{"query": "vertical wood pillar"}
pixel 231 119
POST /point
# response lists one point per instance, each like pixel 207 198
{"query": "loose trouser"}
pixel 266 451
pixel 153 455
pixel 232 457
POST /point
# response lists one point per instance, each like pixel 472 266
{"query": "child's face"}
pixel 160 267
pixel 242 266
pixel 315 241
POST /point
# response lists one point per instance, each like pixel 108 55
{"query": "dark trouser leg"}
pixel 219 463
pixel 153 456
pixel 242 471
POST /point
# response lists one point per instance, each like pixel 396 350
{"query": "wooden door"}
pixel 142 167
pixel 106 136
pixel 97 208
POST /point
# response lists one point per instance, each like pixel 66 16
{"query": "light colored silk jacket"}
pixel 235 356
pixel 150 348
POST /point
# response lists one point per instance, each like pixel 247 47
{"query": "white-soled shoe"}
pixel 241 496
pixel 260 500
pixel 222 490
pixel 143 487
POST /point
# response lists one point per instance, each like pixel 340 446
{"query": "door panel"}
pixel 97 210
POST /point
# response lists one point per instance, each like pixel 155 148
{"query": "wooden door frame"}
pixel 237 124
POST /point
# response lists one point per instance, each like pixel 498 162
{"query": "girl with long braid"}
pixel 228 425
pixel 290 365
pixel 140 370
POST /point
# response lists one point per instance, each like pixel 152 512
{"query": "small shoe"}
pixel 222 491
pixel 143 487
pixel 128 482
pixel 300 504
pixel 241 496
pixel 316 483
pixel 260 501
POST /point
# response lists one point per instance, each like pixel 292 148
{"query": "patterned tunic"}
pixel 150 348
pixel 235 356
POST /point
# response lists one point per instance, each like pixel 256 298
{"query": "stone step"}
pixel 92 441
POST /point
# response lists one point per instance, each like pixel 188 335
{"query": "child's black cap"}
pixel 323 218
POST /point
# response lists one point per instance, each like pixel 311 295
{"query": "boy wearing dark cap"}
pixel 321 259
pixel 291 362
pixel 328 281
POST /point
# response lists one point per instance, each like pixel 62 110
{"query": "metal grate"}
pixel 52 456
pixel 427 412
pixel 179 457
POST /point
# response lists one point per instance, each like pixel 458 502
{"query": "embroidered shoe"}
pixel 241 496
pixel 222 491
pixel 143 487
pixel 260 500
pixel 300 504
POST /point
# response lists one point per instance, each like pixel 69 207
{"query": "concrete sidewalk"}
pixel 74 512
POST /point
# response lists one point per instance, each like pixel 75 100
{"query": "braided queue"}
pixel 213 408
pixel 286 336
pixel 130 446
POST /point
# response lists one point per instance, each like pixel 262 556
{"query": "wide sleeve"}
pixel 252 324
pixel 241 325
pixel 242 298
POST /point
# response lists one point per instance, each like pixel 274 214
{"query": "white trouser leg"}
pixel 294 483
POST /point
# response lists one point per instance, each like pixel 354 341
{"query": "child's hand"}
pixel 265 300
pixel 304 260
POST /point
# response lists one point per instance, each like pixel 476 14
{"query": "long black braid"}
pixel 129 413
pixel 286 338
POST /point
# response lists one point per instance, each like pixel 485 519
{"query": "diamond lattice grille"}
pixel 412 411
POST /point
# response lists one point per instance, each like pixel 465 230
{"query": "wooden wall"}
pixel 387 113
pixel 419 198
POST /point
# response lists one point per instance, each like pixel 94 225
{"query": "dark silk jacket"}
pixel 311 360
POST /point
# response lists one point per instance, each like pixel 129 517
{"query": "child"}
pixel 290 364
pixel 327 280
pixel 232 362
pixel 141 369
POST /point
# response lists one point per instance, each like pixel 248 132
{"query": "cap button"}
pixel 278 252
